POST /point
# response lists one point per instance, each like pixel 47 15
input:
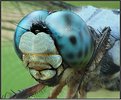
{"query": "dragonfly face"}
pixel 43 43
pixel 41 57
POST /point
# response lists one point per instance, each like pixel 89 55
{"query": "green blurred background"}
pixel 14 75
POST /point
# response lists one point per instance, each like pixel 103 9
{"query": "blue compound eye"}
pixel 72 37
pixel 69 32
pixel 33 22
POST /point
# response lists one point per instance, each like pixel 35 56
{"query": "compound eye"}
pixel 74 40
pixel 32 23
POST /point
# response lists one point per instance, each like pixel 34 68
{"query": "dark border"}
pixel 0 50
pixel 60 0
pixel 120 49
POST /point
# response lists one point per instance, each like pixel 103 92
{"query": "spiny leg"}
pixel 28 92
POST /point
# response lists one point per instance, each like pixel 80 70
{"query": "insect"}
pixel 59 49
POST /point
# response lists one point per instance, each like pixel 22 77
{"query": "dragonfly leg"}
pixel 57 89
pixel 28 92
pixel 82 92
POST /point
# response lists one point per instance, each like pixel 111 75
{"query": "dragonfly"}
pixel 92 72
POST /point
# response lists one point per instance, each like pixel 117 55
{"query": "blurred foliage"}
pixel 100 4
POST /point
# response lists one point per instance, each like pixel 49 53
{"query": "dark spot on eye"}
pixel 68 19
pixel 70 55
pixel 79 54
pixel 73 40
